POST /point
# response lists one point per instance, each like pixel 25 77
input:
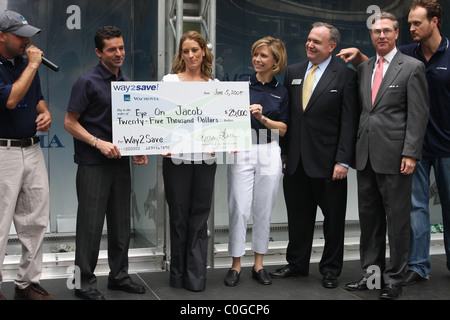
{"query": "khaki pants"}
pixel 24 199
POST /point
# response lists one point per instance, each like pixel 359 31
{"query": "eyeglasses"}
pixel 387 32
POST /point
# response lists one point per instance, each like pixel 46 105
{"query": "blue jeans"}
pixel 419 259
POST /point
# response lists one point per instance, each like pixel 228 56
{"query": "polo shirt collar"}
pixel 106 74
pixel 444 44
pixel 17 59
pixel 442 47
pixel 253 81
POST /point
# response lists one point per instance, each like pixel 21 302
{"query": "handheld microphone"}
pixel 50 64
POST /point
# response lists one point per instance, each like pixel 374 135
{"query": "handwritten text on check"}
pixel 180 117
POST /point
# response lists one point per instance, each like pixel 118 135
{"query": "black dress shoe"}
pixel 130 287
pixel 411 277
pixel 361 284
pixel 285 272
pixel 329 280
pixel 232 278
pixel 390 292
pixel 261 276
pixel 89 294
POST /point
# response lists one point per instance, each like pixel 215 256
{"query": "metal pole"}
pixel 212 22
pixel 180 20
pixel 161 38
pixel 211 32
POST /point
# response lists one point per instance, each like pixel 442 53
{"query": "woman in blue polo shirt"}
pixel 254 176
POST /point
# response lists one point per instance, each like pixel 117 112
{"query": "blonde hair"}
pixel 179 65
pixel 278 50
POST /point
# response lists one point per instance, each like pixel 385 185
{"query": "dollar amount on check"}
pixel 180 117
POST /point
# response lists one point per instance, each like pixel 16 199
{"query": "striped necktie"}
pixel 308 85
pixel 377 79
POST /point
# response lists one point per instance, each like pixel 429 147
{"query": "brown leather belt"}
pixel 19 143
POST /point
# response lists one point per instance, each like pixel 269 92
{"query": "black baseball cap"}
pixel 14 22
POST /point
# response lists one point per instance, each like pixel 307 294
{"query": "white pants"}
pixel 253 183
pixel 25 200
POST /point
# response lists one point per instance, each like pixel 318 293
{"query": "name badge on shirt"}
pixel 296 82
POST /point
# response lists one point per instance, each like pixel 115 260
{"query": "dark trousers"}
pixel 303 195
pixel 384 204
pixel 103 190
pixel 189 191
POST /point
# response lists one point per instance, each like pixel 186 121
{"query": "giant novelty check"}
pixel 180 117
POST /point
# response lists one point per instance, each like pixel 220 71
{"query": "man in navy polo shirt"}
pixel 23 175
pixel 432 48
pixel 103 178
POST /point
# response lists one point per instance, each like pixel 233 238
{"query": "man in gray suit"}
pixel 394 114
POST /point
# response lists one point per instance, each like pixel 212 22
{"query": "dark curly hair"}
pixel 107 32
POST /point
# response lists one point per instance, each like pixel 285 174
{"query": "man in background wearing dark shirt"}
pixel 103 178
pixel 23 174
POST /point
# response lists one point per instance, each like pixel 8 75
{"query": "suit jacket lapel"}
pixel 327 77
pixel 367 84
pixel 389 77
pixel 299 74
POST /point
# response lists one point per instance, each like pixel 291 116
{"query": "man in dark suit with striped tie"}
pixel 320 147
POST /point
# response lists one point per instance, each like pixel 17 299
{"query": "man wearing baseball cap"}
pixel 23 174
pixel 14 22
